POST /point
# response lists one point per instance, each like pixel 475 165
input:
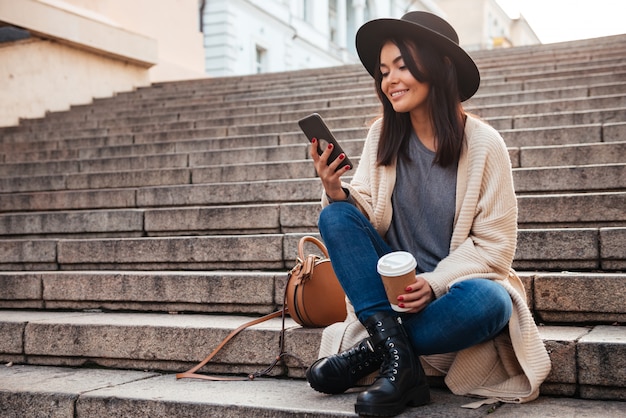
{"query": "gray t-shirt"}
pixel 423 200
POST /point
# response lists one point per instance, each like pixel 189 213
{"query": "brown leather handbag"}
pixel 313 298
pixel 313 295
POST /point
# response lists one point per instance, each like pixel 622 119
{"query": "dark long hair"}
pixel 427 65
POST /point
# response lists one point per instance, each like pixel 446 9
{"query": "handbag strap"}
pixel 191 373
pixel 315 241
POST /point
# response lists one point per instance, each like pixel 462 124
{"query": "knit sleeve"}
pixel 362 187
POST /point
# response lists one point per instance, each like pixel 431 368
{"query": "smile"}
pixel 398 93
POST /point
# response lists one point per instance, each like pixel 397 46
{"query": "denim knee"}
pixel 473 311
pixel 495 300
pixel 336 214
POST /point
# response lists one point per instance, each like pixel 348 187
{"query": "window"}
pixel 261 60
pixel 307 16
pixel 332 20
pixel 12 34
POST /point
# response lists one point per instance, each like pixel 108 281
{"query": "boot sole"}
pixel 417 397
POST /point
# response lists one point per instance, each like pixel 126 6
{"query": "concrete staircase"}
pixel 138 231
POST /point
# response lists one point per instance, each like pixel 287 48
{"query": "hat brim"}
pixel 370 38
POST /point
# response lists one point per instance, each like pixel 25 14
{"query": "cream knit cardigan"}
pixel 512 366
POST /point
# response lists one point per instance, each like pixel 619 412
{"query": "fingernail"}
pixel 314 140
pixel 330 146
pixel 400 297
pixel 409 289
pixel 401 305
pixel 347 167
pixel 342 156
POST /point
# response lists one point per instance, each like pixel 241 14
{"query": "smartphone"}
pixel 314 127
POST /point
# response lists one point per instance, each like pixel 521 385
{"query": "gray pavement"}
pixel 27 391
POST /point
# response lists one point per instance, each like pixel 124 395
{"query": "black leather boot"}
pixel 401 381
pixel 338 373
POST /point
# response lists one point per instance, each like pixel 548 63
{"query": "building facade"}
pixel 257 36
pixel 58 53
pixel 483 24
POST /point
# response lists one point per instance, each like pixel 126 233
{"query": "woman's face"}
pixel 405 93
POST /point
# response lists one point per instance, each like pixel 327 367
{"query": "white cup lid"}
pixel 396 263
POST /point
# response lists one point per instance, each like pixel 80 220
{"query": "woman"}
pixel 436 182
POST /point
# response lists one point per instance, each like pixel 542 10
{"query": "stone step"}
pixel 359 79
pixel 559 135
pixel 281 191
pixel 554 298
pixel 593 177
pixel 228 93
pixel 182 186
pixel 265 108
pixel 513 126
pixel 87 149
pixel 272 162
pixel 60 145
pixel 102 180
pixel 85 392
pixel 525 96
pixel 548 64
pixel 124 145
pixel 616 76
pixel 541 211
pixel 552 249
pixel 337 75
pixel 566 118
pixel 611 75
pixel 174 120
pixel 586 209
pixel 185 107
pixel 585 360
pixel 151 132
pixel 580 154
pixel 144 291
pixel 549 106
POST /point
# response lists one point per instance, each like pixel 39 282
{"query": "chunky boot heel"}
pixel 401 381
pixel 338 373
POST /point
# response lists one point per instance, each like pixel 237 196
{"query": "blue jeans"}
pixel 471 312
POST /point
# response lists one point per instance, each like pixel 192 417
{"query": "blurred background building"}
pixel 58 53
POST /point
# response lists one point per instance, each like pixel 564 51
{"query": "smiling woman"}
pixel 405 92
pixel 437 183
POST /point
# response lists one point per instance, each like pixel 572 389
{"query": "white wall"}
pixel 82 49
pixel 55 76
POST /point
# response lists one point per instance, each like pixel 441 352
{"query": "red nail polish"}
pixel 400 297
pixel 346 167
pixel 314 140
pixel 409 289
pixel 401 305
pixel 342 156
pixel 330 146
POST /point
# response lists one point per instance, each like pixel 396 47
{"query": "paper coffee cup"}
pixel 397 271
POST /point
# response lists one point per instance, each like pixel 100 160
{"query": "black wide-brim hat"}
pixel 424 27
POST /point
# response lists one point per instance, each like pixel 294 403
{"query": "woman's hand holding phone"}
pixel 329 159
pixel 328 173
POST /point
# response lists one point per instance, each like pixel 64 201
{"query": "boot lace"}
pixel 360 357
